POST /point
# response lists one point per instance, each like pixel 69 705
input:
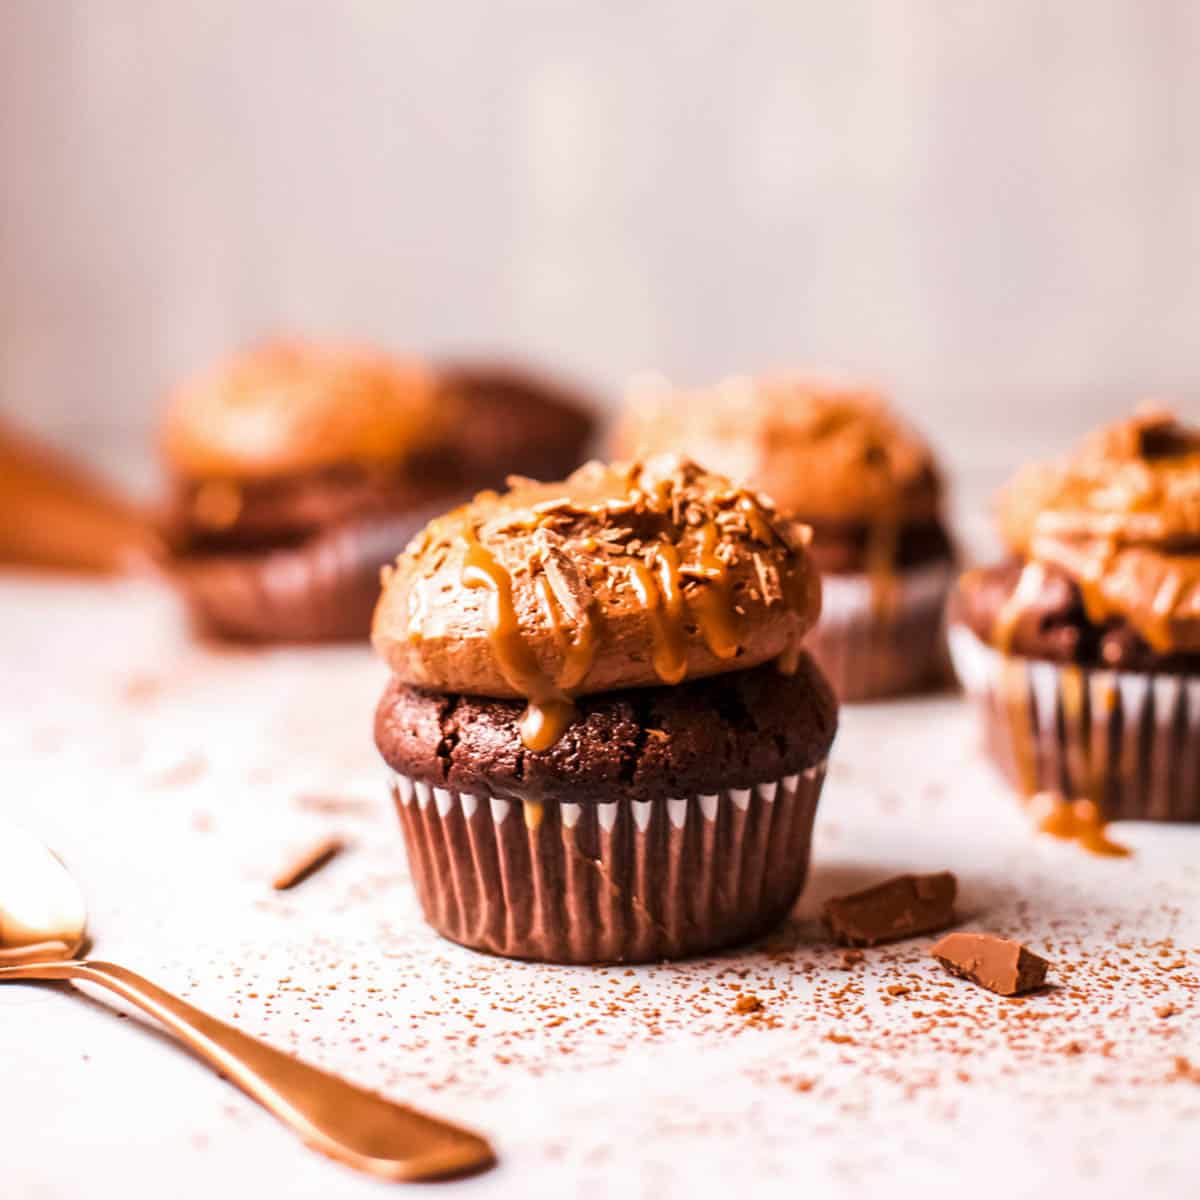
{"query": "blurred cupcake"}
pixel 607 743
pixel 833 455
pixel 1084 648
pixel 298 469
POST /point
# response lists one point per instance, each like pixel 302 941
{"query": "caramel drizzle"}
pixel 1015 697
pixel 578 652
pixel 1028 587
pixel 549 710
pixel 662 601
pixel 712 604
pixel 883 544
pixel 1079 821
pixel 658 586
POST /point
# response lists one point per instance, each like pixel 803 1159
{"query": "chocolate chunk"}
pixel 993 962
pixel 897 908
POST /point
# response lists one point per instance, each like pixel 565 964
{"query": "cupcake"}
pixel 605 738
pixel 833 455
pixel 1083 648
pixel 297 470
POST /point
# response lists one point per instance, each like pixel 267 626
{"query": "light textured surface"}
pixel 176 780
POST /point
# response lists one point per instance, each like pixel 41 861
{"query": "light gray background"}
pixel 992 207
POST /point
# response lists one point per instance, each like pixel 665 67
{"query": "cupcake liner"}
pixel 868 655
pixel 626 881
pixel 1129 741
pixel 323 590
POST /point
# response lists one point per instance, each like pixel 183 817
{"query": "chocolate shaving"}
pixel 768 580
pixel 897 908
pixel 571 589
pixel 308 863
pixel 998 964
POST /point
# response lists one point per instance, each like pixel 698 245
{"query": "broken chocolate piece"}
pixel 897 908
pixel 996 963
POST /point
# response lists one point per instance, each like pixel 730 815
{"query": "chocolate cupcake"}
pixel 833 455
pixel 606 739
pixel 297 470
pixel 1084 648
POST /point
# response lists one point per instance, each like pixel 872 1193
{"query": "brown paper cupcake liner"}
pixel 323 590
pixel 1128 741
pixel 627 881
pixel 867 654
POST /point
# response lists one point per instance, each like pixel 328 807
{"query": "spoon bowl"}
pixel 43 917
pixel 43 926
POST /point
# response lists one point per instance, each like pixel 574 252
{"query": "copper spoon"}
pixel 43 926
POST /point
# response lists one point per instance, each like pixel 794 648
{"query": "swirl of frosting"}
pixel 286 407
pixel 630 575
pixel 1121 517
pixel 824 448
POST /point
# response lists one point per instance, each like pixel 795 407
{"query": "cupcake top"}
pixel 283 441
pixel 630 575
pixel 826 449
pixel 1120 518
pixel 289 407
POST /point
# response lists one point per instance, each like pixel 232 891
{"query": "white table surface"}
pixel 176 780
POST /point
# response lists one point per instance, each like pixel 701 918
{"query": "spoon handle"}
pixel 348 1123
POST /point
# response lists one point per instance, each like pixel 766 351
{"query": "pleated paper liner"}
pixel 627 881
pixel 323 590
pixel 1129 741
pixel 868 654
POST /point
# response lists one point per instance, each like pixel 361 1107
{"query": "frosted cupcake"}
pixel 833 455
pixel 298 469
pixel 1084 648
pixel 607 741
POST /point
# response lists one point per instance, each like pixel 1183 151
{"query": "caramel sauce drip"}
pixel 1028 587
pixel 711 603
pixel 883 542
pixel 1079 821
pixel 1015 690
pixel 662 600
pixel 579 651
pixel 657 577
pixel 544 721
pixel 550 710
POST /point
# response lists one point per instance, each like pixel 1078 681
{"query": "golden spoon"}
pixel 43 924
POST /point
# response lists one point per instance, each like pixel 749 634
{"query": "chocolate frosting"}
pixel 288 407
pixel 825 449
pixel 630 575
pixel 1121 519
pixel 282 442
